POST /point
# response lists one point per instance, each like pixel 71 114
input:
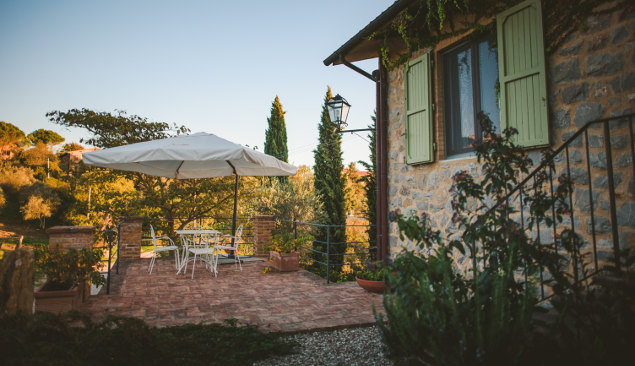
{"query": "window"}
pixel 470 74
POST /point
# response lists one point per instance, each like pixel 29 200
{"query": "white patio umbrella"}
pixel 200 155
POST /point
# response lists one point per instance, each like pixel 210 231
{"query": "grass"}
pixel 73 339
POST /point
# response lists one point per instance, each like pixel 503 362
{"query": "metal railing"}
pixel 110 238
pixel 328 259
pixel 598 160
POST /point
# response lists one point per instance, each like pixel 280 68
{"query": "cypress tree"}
pixel 330 187
pixel 276 134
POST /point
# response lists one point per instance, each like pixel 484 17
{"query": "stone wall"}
pixel 591 76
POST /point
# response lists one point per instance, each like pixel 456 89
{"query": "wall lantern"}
pixel 338 111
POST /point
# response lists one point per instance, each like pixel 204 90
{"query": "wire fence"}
pixel 333 260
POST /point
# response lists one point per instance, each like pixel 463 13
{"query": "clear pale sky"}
pixel 213 66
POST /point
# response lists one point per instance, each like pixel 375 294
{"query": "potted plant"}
pixel 68 275
pixel 372 277
pixel 283 250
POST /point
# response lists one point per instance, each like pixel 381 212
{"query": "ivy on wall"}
pixel 427 22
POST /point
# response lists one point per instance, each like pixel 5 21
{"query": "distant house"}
pixel 70 159
pixel 427 111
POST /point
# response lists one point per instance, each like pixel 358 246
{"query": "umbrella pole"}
pixel 231 255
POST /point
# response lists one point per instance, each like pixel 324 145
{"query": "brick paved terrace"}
pixel 275 301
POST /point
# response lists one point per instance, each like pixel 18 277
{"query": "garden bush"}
pixel 73 339
pixel 468 299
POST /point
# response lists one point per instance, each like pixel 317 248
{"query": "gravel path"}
pixel 350 346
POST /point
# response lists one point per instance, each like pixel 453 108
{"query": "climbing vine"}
pixel 427 22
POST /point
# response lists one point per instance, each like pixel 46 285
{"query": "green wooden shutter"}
pixel 418 105
pixel 521 71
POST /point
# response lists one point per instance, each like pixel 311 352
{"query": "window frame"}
pixel 472 43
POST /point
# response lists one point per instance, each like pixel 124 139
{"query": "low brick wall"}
pixel 71 237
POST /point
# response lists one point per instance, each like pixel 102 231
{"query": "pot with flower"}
pixel 283 250
pixel 68 274
pixel 372 277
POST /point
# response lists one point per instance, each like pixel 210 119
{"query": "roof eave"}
pixel 362 36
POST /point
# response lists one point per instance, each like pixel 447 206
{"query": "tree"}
pixel 355 192
pixel 37 208
pixel 45 137
pixel 72 146
pixel 10 138
pixel 294 201
pixel 370 185
pixel 330 185
pixel 276 134
pixel 115 193
pixel 117 129
pixel 38 201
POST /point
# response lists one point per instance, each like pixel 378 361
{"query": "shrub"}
pixel 64 269
pixel 73 339
pixel 468 299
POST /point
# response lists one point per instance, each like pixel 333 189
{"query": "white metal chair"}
pixel 160 249
pixel 202 248
pixel 231 247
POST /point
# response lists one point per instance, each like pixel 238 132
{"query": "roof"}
pixel 360 47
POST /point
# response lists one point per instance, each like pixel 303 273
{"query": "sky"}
pixel 213 66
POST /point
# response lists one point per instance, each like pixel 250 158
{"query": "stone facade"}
pixel 130 238
pixel 591 76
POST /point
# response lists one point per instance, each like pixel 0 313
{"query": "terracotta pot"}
pixel 377 287
pixel 57 301
pixel 285 262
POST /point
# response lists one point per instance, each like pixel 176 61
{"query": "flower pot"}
pixel 377 287
pixel 285 262
pixel 57 301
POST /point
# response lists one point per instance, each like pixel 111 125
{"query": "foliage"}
pixel 286 242
pixel 39 201
pixel 13 178
pixel 276 133
pixel 115 193
pixel 10 138
pixel 72 146
pixel 329 184
pixel 427 22
pixel 37 208
pixel 66 268
pixel 370 185
pixel 3 199
pixel 354 191
pixel 74 339
pixel 374 271
pixel 468 299
pixel 294 201
pixel 595 319
pixel 45 137
pixel 41 159
pixel 109 130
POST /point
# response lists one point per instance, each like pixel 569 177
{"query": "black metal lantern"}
pixel 338 111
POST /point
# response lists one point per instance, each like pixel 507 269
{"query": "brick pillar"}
pixel 263 227
pixel 130 238
pixel 71 237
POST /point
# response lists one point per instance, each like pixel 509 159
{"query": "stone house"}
pixel 427 111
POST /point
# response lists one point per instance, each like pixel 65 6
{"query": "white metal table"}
pixel 189 238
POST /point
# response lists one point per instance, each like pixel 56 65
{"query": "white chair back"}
pixel 154 237
pixel 239 234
